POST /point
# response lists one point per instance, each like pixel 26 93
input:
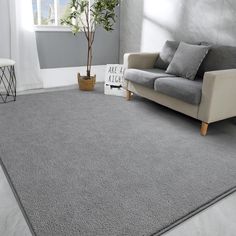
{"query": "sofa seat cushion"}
pixel 145 77
pixel 183 89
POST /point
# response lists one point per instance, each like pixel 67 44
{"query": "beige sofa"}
pixel 218 99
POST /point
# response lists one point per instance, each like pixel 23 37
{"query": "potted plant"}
pixel 85 16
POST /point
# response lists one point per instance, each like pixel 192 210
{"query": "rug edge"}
pixel 17 198
pixel 158 233
pixel 195 212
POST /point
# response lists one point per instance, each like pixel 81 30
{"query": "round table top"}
pixel 6 62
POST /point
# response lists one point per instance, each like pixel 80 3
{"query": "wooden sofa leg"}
pixel 204 129
pixel 128 95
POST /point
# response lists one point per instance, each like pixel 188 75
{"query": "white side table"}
pixel 7 80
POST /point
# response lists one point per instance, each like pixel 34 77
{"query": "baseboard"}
pixel 59 77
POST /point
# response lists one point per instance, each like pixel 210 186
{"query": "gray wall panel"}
pixel 63 49
pixel 147 24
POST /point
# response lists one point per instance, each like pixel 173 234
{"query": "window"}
pixel 49 12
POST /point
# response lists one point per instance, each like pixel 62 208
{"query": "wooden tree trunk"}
pixel 89 53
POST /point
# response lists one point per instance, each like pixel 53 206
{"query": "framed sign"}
pixel 114 79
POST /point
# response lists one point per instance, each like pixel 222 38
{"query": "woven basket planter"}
pixel 86 83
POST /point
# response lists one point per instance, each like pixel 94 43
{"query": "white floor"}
pixel 12 222
pixel 217 220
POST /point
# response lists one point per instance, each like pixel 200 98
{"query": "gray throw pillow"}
pixel 187 60
pixel 166 55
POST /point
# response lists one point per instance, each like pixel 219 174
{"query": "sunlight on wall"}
pixel 159 22
pixel 147 24
pixel 162 12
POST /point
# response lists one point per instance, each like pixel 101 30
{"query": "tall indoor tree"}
pixel 85 16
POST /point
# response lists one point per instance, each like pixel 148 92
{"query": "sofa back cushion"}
pixel 166 55
pixel 218 58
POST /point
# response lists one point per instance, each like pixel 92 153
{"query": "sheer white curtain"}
pixel 20 44
pixel 4 29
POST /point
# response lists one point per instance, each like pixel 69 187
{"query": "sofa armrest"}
pixel 218 96
pixel 140 60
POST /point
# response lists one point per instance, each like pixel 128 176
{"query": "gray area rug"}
pixel 88 164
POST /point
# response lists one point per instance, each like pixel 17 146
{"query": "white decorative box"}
pixel 114 79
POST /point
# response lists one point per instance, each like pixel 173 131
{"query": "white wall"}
pixel 60 77
pixel 147 24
